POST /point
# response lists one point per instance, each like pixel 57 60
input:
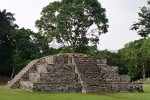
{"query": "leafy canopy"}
pixel 136 55
pixel 143 25
pixel 70 22
pixel 18 46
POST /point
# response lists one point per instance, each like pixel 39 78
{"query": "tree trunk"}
pixel 143 66
pixel 13 72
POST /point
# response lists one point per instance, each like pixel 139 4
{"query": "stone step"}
pixel 17 78
pixel 90 74
pixel 88 69
pixel 95 83
pixel 51 86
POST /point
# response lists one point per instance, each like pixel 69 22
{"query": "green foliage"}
pixel 17 59
pixel 89 50
pixel 136 55
pixel 6 26
pixel 4 80
pixel 65 50
pixel 113 59
pixel 18 94
pixel 18 46
pixel 68 22
pixel 143 25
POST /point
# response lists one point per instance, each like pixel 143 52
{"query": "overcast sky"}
pixel 121 15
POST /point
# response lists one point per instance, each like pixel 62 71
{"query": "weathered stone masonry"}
pixel 72 73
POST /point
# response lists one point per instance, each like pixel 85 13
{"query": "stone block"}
pixel 42 68
pixel 49 59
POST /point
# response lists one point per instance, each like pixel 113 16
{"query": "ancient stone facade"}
pixel 72 73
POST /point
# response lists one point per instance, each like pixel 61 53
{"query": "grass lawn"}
pixel 18 94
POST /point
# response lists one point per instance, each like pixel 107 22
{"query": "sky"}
pixel 120 13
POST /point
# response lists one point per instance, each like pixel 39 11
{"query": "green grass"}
pixel 18 94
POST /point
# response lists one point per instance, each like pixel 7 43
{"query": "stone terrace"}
pixel 72 73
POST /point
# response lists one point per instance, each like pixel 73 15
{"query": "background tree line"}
pixel 69 23
pixel 18 46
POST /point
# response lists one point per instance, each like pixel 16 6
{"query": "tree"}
pixel 26 45
pixel 143 25
pixel 136 55
pixel 145 56
pixel 129 55
pixel 18 46
pixel 6 26
pixel 71 22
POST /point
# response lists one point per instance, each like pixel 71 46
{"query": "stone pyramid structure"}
pixel 72 73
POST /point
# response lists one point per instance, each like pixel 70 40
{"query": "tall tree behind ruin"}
pixel 6 26
pixel 143 25
pixel 70 22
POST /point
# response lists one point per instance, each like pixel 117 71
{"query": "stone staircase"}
pixel 90 75
pixel 14 83
pixel 72 73
pixel 53 74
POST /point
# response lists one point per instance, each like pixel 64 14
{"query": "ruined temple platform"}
pixel 72 73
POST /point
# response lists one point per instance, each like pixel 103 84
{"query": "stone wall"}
pixel 50 87
pixel 58 76
pixel 75 73
pixel 110 74
pixel 26 85
pixel 124 87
